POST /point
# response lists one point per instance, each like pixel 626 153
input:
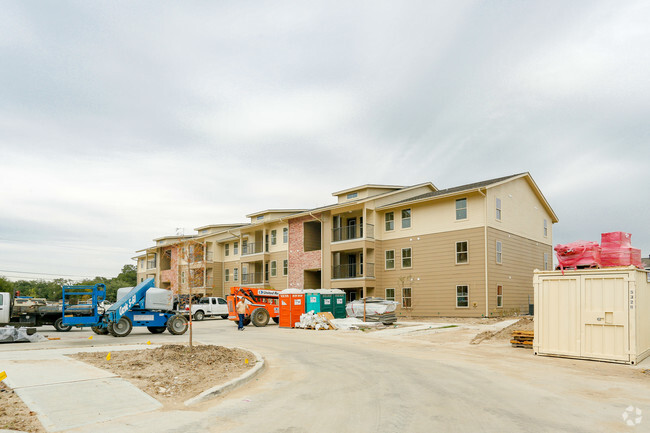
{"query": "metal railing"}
pixel 252 278
pixel 251 248
pixel 353 271
pixel 349 232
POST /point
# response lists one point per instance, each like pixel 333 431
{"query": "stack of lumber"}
pixel 522 339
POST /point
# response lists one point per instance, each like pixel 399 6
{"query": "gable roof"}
pixel 476 186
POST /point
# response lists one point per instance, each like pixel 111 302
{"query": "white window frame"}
pixel 386 260
pixel 405 298
pixel 410 258
pixel 461 209
pixel 545 227
pixel 466 296
pixel 498 209
pixel 285 235
pixel 500 297
pixel 407 219
pixel 499 253
pixel 274 237
pixel 389 225
pixel 285 267
pixel 274 268
pixel 387 297
pixel 226 250
pixel 351 195
pixel 456 252
pixel 227 275
pixel 235 248
pixel 183 280
pixel 235 274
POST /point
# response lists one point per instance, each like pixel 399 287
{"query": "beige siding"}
pixel 435 274
pixel 279 281
pixel 520 257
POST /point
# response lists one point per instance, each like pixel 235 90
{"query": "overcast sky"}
pixel 121 121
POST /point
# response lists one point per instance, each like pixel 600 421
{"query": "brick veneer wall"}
pixel 171 275
pixel 299 260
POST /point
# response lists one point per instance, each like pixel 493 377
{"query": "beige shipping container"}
pixel 599 314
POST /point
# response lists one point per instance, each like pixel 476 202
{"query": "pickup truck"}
pixel 208 306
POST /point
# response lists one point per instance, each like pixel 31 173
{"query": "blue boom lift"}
pixel 120 318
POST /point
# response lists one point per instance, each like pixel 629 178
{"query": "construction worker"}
pixel 241 311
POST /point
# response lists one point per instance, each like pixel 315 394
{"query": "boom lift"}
pixel 140 306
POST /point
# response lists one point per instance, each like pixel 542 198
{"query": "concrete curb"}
pixel 230 385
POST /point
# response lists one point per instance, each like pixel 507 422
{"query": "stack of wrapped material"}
pixel 374 310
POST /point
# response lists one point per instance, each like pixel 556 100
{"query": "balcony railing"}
pixel 209 256
pixel 353 271
pixel 253 278
pixel 251 248
pixel 350 232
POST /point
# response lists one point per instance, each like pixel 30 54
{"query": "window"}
pixel 183 277
pixel 274 268
pixel 498 209
pixel 406 257
pixel 462 255
pixel 274 237
pixel 235 274
pixel 141 264
pixel 285 267
pixel 227 274
pixel 545 228
pixel 235 248
pixel 462 296
pixel 141 279
pixel 266 271
pixel 546 261
pixel 261 217
pixel 406 297
pixel 285 235
pixel 499 296
pixel 406 218
pixel 352 195
pixel 226 250
pixel 390 221
pixel 221 301
pixel 390 294
pixel 390 259
pixel 461 209
pixel 499 255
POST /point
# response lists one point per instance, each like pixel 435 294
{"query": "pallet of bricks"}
pixel 522 339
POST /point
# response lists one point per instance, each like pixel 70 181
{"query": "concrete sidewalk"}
pixel 66 393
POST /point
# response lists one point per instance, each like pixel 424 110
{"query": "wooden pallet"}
pixel 522 339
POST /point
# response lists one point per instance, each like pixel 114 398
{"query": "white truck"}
pixel 208 306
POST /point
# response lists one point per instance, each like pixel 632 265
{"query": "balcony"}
pixel 209 256
pixel 251 248
pixel 353 271
pixel 253 278
pixel 151 264
pixel 352 232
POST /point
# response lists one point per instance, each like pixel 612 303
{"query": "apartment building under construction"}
pixel 463 251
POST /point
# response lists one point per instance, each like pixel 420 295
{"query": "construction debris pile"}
pixel 317 321
pixel 373 310
pixel 615 249
pixel 9 334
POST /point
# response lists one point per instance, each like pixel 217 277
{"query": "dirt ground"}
pixel 172 373
pixel 524 324
pixel 14 414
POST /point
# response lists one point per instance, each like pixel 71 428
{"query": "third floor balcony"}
pixel 353 231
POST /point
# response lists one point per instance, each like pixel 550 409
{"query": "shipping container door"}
pixel 557 316
pixel 605 317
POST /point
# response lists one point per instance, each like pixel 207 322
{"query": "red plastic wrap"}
pixel 580 253
pixel 621 257
pixel 615 240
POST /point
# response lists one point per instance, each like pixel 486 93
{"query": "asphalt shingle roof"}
pixel 455 189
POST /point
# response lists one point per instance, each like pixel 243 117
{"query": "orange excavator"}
pixel 261 305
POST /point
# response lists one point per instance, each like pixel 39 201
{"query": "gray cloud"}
pixel 120 122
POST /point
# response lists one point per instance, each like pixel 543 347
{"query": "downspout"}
pixel 487 298
pixel 322 242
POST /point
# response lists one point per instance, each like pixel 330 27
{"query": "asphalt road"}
pixel 334 381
